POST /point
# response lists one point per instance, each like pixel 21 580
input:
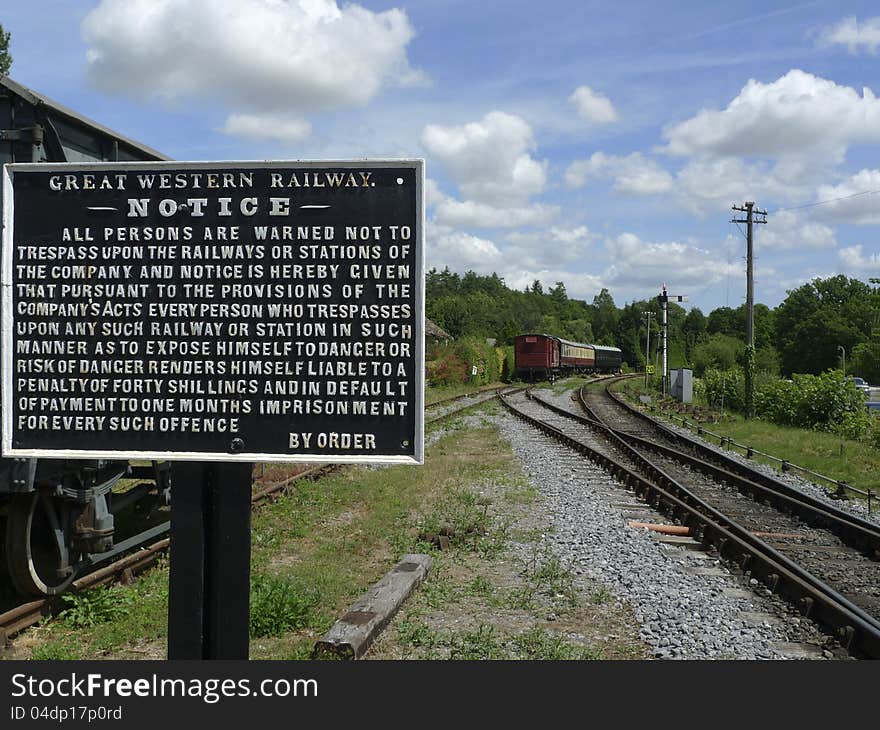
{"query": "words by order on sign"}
pixel 214 311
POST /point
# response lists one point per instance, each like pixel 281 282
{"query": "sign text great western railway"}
pixel 214 311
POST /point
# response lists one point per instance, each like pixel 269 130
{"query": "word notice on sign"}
pixel 214 311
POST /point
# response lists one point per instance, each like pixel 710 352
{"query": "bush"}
pixel 724 388
pixel 453 363
pixel 820 402
pixel 719 352
pixel 777 401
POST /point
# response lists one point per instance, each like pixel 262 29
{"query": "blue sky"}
pixel 600 144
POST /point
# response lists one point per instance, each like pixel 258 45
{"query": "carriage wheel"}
pixel 36 546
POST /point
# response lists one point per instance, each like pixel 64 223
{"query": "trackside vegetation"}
pixel 323 543
pixel 801 335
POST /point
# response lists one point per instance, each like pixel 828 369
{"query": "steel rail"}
pixel 856 630
pixel 458 411
pixel 866 539
pixel 745 471
pixel 451 398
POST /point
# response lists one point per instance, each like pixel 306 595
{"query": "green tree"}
pixel 5 55
pixel 866 360
pixel 557 293
pixel 816 318
pixel 719 351
pixel 723 321
pixel 605 318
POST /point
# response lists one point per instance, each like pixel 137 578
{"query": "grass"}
pixel 858 463
pixel 314 551
pixel 417 633
pixel 538 643
pixel 482 643
pixel 564 384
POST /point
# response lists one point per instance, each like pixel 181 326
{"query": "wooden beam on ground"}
pixel 663 529
pixel 352 635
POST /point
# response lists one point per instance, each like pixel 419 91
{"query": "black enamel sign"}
pixel 214 311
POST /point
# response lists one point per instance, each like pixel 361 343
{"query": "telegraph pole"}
pixel 648 347
pixel 749 209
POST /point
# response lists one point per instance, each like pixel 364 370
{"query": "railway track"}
pixel 824 562
pixel 142 551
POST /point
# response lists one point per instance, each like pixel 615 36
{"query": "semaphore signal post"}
pixel 214 314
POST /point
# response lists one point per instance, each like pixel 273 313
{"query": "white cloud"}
pixel 633 174
pixel 257 57
pixel 713 185
pixel 578 285
pixel 489 159
pixel 789 230
pixel 551 246
pixel 861 199
pixel 433 194
pixel 469 213
pixel 593 106
pixel 637 263
pixel 848 32
pixel 798 116
pixel 252 126
pixel 461 251
pixel 853 259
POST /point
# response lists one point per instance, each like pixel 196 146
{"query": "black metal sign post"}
pixel 214 315
pixel 208 601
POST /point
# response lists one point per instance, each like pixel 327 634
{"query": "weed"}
pixel 601 595
pixel 546 577
pixel 416 633
pixel 279 605
pixel 437 590
pixel 495 543
pixel 94 607
pixel 462 515
pixel 521 494
pixel 479 586
pixel 482 643
pixel 540 644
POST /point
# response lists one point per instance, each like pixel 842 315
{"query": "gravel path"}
pixel 689 605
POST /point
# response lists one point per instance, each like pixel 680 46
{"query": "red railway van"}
pixel 536 356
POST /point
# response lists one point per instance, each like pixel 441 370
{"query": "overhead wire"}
pixel 825 202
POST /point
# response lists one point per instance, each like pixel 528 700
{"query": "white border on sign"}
pixel 8 316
